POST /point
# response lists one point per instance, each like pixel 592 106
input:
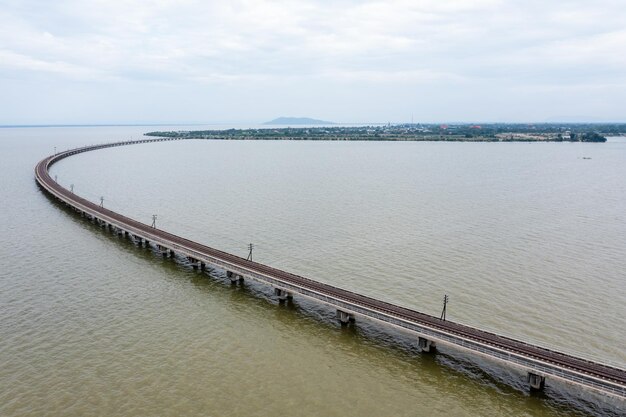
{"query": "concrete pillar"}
pixel 426 345
pixel 202 266
pixel 234 277
pixel 537 382
pixel 345 317
pixel 172 253
pixel 163 250
pixel 282 294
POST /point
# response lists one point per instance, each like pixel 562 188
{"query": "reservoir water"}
pixel 527 239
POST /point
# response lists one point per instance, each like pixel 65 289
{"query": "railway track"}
pixel 535 359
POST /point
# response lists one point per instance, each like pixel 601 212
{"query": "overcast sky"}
pixel 113 61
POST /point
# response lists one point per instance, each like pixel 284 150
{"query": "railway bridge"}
pixel 538 362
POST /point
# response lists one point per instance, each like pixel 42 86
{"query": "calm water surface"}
pixel 526 239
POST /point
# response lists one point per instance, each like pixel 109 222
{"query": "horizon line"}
pixel 4 126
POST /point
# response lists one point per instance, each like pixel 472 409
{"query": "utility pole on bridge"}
pixel 445 304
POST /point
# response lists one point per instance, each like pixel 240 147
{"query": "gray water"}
pixel 526 239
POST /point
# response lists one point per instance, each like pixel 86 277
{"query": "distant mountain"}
pixel 297 121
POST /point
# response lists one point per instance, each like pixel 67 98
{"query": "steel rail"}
pixel 535 359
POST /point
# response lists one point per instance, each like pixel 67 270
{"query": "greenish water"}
pixel 526 239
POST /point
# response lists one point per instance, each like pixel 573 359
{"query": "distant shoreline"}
pixel 413 133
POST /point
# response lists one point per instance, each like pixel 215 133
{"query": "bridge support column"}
pixel 426 345
pixel 345 317
pixel 537 382
pixel 282 294
pixel 202 266
pixel 172 253
pixel 234 278
pixel 163 250
pixel 194 262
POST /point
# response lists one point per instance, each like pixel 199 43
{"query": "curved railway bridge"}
pixel 539 363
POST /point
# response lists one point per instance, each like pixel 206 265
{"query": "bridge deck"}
pixel 532 358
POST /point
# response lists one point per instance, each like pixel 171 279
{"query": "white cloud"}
pixel 453 45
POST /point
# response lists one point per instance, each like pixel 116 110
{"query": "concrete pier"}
pixel 345 317
pixel 234 278
pixel 282 294
pixel 163 250
pixel 193 261
pixel 536 382
pixel 425 345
